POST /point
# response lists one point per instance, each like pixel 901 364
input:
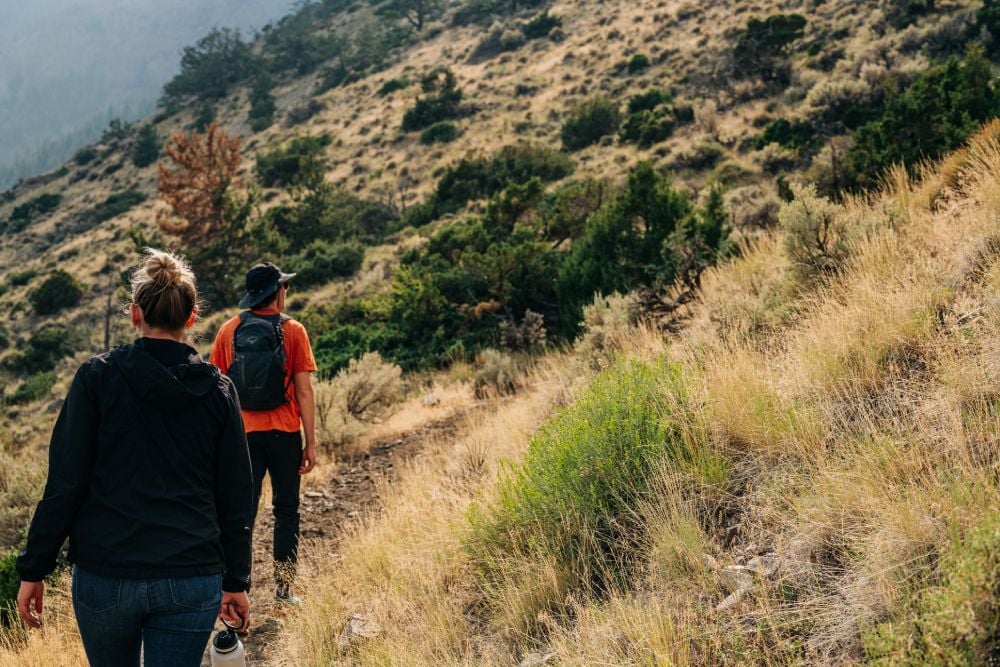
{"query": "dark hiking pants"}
pixel 279 454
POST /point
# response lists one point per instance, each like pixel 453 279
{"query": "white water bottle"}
pixel 227 649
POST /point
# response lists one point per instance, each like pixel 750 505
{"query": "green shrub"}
pixel 934 115
pixel 325 212
pixel 442 101
pixel 147 147
pixel 44 349
pixel 21 278
pixel 763 46
pixel 440 133
pixel 211 67
pixel 34 388
pixel 614 253
pixel 297 44
pixel 60 290
pixel 786 134
pixel 320 262
pixel 574 497
pixel 541 25
pixel 392 85
pixel 85 156
pixel 479 177
pixel 262 103
pixel 117 130
pixel 647 127
pixel 31 210
pixel 116 204
pixel 203 117
pixel 816 235
pixel 955 618
pixel 649 100
pixel 988 24
pixel 638 63
pixel 10 584
pixel 298 162
pixel 590 121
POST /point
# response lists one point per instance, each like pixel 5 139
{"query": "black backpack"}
pixel 258 368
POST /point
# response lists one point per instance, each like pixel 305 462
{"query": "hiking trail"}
pixel 329 505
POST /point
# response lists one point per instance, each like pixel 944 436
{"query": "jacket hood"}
pixel 170 388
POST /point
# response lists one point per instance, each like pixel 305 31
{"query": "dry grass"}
pixel 862 438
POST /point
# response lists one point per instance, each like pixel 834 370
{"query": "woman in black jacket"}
pixel 149 477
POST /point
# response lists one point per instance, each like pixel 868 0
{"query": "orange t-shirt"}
pixel 298 359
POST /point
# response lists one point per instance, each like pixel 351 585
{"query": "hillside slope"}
pixel 800 471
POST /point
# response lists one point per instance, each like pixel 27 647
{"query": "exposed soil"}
pixel 353 490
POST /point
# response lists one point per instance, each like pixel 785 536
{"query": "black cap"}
pixel 262 282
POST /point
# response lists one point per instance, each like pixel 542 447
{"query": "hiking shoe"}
pixel 283 594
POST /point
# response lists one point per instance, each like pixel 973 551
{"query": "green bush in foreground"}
pixel 574 500
pixel 957 621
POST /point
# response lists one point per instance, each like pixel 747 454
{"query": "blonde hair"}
pixel 164 288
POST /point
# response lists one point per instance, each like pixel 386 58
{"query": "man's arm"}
pixel 307 409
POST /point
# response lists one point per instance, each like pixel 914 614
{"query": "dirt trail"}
pixel 351 491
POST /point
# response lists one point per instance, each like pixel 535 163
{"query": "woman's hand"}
pixel 29 603
pixel 235 609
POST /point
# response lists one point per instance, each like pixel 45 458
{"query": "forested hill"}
pixel 67 67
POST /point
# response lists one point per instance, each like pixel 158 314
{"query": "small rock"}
pixel 313 494
pixel 537 659
pixel 353 514
pixel 765 566
pixel 358 630
pixel 430 400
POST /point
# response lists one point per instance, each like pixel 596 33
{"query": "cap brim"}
pixel 251 300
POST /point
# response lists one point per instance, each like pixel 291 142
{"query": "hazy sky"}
pixel 65 64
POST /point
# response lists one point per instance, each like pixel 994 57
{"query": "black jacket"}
pixel 149 473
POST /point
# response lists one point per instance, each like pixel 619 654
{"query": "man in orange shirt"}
pixel 268 356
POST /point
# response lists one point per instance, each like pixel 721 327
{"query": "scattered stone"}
pixel 353 514
pixel 537 659
pixel 430 400
pixel 358 630
pixel 313 494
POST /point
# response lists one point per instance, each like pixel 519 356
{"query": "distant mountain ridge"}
pixel 68 65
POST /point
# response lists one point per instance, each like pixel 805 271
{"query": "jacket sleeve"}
pixel 234 495
pixel 71 459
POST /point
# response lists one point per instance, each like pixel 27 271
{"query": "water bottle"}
pixel 227 649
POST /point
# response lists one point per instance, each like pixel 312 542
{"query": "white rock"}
pixel 359 629
pixel 430 400
pixel 537 659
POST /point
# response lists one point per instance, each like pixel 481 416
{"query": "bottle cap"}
pixel 226 641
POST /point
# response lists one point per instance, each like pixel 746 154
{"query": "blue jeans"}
pixel 170 619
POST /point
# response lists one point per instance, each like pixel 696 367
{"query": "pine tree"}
pixel 262 104
pixel 146 149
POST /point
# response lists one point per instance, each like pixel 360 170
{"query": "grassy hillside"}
pixel 822 490
pixel 776 448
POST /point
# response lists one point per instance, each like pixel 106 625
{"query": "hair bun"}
pixel 163 269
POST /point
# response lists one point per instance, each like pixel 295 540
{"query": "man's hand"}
pixel 308 460
pixel 29 603
pixel 235 609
